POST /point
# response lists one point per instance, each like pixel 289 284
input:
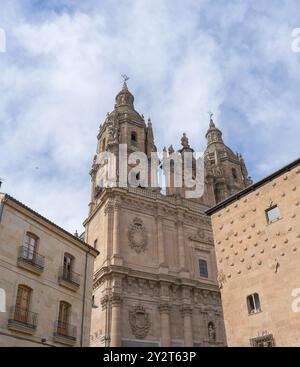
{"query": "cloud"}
pixel 62 71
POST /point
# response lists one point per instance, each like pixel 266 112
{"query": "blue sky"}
pixel 62 69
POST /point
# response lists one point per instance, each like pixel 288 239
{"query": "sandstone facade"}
pixel 48 301
pixel 257 237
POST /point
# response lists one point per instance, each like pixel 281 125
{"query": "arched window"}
pixel 133 137
pixel 64 318
pixel 30 246
pixel 211 329
pixel 22 303
pixel 253 303
pixel 234 173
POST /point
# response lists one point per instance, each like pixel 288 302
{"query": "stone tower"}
pixel 155 280
pixel 226 171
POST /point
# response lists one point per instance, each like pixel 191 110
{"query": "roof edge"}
pixel 252 187
pixel 90 249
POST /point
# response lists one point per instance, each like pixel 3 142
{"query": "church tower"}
pixel 124 126
pixel 155 279
pixel 225 170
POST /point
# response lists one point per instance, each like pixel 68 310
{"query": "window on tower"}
pixel 203 268
pixel 234 173
pixel 133 138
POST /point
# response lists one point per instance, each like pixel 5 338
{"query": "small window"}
pixel 253 304
pixel 30 246
pixel 273 214
pixel 133 138
pixel 234 173
pixel 203 268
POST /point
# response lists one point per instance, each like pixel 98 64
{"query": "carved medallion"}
pixel 137 235
pixel 140 322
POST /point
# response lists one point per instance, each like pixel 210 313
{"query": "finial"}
pixel 1 181
pixel 211 121
pixel 125 77
pixel 76 233
pixel 171 149
pixel 185 141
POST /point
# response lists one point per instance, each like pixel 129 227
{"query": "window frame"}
pixel 267 211
pixel 254 297
pixel 30 250
pixel 201 260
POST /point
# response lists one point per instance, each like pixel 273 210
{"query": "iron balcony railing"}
pixel 69 276
pixel 23 317
pixel 65 330
pixel 31 257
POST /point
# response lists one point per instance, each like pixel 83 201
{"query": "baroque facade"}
pixel 155 279
pixel 45 281
pixel 257 237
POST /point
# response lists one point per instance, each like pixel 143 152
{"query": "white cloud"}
pixel 62 72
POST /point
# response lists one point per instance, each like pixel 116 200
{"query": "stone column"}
pixel 165 331
pixel 160 241
pixel 109 228
pixel 181 250
pixel 115 330
pixel 187 325
pixel 116 229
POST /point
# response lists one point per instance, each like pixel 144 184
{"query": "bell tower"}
pixel 123 128
pixel 225 170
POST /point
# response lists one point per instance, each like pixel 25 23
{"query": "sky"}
pixel 62 70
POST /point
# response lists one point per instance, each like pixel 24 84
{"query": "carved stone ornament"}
pixel 137 235
pixel 221 279
pixel 198 236
pixel 140 322
pixel 274 265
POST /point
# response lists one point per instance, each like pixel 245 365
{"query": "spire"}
pixel 213 135
pixel 124 97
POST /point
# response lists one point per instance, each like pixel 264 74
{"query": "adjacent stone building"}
pixel 155 280
pixel 45 280
pixel 257 241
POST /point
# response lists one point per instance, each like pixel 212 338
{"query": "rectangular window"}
pixel 203 268
pixel 273 214
pixel 22 303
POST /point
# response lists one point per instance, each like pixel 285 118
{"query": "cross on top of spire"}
pixel 125 77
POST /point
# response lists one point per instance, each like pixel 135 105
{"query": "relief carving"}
pixel 137 235
pixel 140 322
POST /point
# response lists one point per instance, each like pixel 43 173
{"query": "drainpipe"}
pixel 83 301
